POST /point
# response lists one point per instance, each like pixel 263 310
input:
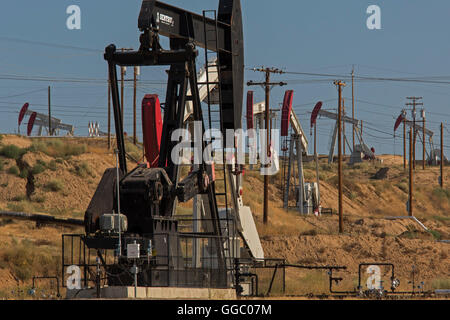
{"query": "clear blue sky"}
pixel 317 36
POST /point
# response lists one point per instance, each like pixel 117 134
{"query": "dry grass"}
pixel 24 259
pixel 58 148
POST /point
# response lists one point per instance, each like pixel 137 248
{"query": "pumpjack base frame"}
pixel 123 292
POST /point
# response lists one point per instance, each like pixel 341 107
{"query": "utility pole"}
pixel 267 85
pixel 414 103
pixel 353 105
pixel 442 156
pixel 49 113
pixel 340 84
pixel 404 140
pixel 423 136
pixel 122 85
pixel 136 73
pixel 410 210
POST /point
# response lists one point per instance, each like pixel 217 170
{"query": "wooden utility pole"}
pixel 414 103
pixel 404 143
pixel 109 113
pixel 442 155
pixel 136 71
pixel 122 84
pixel 267 85
pixel 340 84
pixel 424 139
pixel 411 159
pixel 353 105
pixel 49 113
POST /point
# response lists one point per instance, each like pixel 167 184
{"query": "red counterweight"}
pixel 22 112
pixel 31 123
pixel 315 113
pixel 398 122
pixel 151 128
pixel 286 112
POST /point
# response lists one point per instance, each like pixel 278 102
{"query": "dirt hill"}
pixel 59 177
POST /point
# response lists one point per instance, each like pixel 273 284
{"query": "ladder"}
pixel 211 40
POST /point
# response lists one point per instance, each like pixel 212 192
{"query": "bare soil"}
pixel 307 240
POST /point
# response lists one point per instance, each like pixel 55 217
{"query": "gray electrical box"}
pixel 109 223
pixel 133 251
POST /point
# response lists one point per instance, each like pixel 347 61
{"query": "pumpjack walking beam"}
pixel 184 29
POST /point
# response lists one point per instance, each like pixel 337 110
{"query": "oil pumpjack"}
pixel 136 216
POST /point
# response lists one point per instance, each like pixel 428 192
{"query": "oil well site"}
pixel 183 169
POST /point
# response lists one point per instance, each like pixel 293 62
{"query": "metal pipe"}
pixel 109 56
pixel 271 281
pixel 118 201
pixel 41 218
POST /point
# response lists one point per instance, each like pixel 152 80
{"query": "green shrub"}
pixel 133 150
pixel 54 185
pixel 311 232
pixel 19 198
pixel 442 194
pixel 351 188
pixel 21 206
pixel 14 170
pixel 326 167
pixel 4 222
pixel 25 260
pixel 83 170
pixel 2 165
pixel 58 148
pixel 39 199
pixel 403 186
pixel 436 235
pixel 23 174
pixel 12 152
pixel 52 165
pixel 38 168
pixel 443 283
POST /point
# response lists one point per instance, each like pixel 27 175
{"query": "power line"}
pixel 47 44
pixel 429 79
